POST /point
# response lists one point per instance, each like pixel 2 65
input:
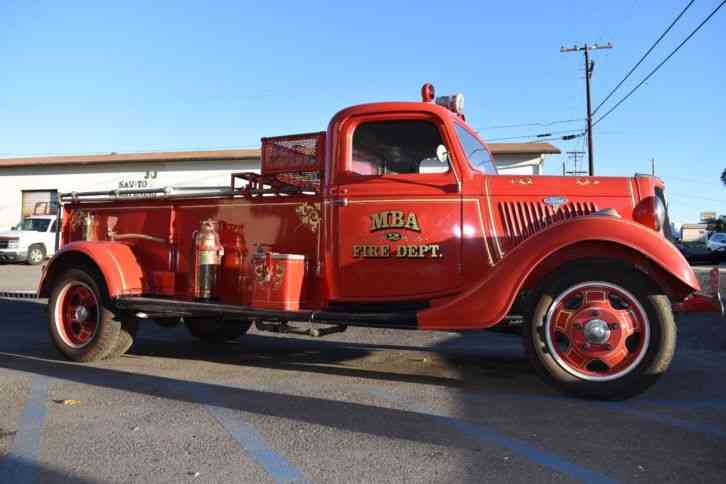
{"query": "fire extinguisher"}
pixel 208 252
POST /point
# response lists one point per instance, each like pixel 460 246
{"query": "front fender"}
pixel 114 260
pixel 490 299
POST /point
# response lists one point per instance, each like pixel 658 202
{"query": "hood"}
pixel 523 205
pixel 10 234
pixel 16 234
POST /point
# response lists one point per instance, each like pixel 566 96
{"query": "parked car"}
pixel 695 253
pixel 716 244
pixel 31 241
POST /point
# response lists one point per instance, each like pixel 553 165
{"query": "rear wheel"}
pixel 216 330
pixel 600 331
pixel 82 326
pixel 36 254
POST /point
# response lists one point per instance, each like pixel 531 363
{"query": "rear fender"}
pixel 114 260
pixel 490 299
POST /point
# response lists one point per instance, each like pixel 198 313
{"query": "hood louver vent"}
pixel 523 219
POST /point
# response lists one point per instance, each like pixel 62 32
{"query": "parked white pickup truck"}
pixel 31 241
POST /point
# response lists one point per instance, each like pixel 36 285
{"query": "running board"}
pixel 152 307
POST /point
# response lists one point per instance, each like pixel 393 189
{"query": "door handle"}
pixel 340 202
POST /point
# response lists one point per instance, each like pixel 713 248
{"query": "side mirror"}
pixel 442 154
pixel 13 228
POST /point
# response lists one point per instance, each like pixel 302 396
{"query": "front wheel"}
pixel 36 254
pixel 600 331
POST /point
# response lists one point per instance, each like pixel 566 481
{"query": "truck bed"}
pixel 159 226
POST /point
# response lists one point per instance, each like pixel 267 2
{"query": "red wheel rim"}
pixel 77 314
pixel 597 331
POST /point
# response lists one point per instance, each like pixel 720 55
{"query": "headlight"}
pixel 651 212
pixel 13 244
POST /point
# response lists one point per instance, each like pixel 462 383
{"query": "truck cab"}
pixel 395 217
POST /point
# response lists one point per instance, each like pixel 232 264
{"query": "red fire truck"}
pixel 395 217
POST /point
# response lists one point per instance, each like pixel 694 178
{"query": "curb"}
pixel 19 294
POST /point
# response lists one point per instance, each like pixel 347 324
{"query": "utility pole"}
pixel 574 156
pixel 652 166
pixel 589 67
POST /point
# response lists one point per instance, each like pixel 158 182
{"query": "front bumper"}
pixel 13 255
pixel 708 301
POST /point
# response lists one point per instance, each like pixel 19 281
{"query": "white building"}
pixel 30 185
pixel 521 158
pixel 694 232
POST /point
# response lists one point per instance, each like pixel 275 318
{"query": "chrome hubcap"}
pixel 597 331
pixel 81 314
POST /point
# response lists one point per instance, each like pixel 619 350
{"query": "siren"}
pixel 452 102
pixel 428 93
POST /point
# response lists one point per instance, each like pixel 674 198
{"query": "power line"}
pixel 551 123
pixel 661 64
pixel 644 56
pixel 564 138
pixel 535 136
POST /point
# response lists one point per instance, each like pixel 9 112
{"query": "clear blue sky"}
pixel 82 77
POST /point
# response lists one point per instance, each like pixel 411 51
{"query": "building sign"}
pixel 139 183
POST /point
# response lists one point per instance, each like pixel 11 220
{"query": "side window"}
pixel 398 147
pixel 476 153
pixel 52 227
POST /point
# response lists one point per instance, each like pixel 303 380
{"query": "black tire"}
pixel 105 333
pixel 36 254
pixel 216 330
pixel 125 338
pixel 653 356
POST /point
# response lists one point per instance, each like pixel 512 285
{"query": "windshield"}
pixel 476 152
pixel 34 224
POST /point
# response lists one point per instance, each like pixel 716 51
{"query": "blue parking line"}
pixel 623 408
pixel 665 420
pixel 486 436
pixel 251 442
pixel 19 466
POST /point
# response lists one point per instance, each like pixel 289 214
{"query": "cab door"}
pixel 396 211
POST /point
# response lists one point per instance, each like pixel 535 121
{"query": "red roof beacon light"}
pixel 428 93
pixel 452 102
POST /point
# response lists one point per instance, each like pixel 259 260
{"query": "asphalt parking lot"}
pixel 361 406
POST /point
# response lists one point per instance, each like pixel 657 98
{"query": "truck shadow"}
pixel 482 362
pixel 443 364
pixel 462 362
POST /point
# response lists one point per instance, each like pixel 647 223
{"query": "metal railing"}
pixel 156 193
